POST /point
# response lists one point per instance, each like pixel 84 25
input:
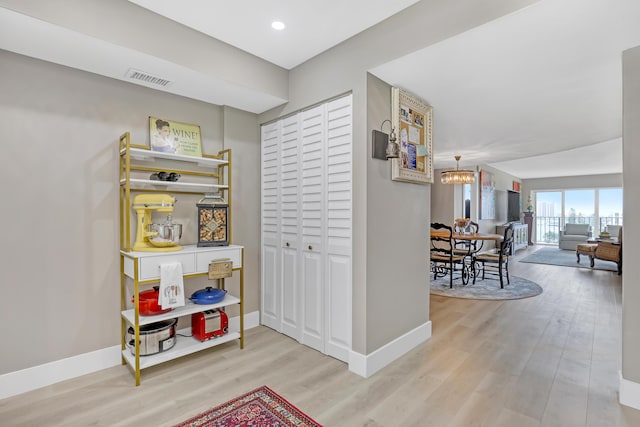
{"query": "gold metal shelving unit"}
pixel 131 156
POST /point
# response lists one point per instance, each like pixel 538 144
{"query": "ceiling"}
pixel 536 93
pixel 311 26
pixel 546 79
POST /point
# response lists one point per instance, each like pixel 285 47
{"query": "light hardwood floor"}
pixel 551 360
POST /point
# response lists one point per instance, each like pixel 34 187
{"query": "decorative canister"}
pixel 213 227
pixel 462 223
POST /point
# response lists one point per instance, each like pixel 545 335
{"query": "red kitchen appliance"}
pixel 148 302
pixel 209 324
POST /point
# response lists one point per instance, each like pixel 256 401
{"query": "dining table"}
pixel 468 236
pixel 469 267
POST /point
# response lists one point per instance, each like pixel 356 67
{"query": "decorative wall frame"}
pixel 174 137
pixel 487 196
pixel 413 121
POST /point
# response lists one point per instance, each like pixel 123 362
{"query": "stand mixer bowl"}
pixel 168 234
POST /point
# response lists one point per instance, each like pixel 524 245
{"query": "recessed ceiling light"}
pixel 277 25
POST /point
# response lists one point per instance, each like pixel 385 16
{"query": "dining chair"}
pixel 467 247
pixel 443 259
pixel 497 262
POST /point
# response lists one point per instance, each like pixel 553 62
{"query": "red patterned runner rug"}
pixel 261 407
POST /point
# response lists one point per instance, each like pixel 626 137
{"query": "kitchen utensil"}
pixel 164 235
pixel 158 176
pixel 154 337
pixel 209 324
pixel 156 237
pixel 165 176
pixel 148 302
pixel 208 295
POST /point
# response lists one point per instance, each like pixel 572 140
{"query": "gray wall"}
pixel 399 282
pixel 503 182
pixel 631 271
pixel 443 201
pixel 242 136
pixel 62 126
pixel 445 206
pixel 59 270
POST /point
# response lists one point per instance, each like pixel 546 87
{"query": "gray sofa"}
pixel 573 235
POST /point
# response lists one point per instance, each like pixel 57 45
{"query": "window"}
pixel 466 200
pixel 579 206
pixel 610 207
pixel 597 207
pixel 548 215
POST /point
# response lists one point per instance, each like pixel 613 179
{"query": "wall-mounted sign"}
pixel 174 137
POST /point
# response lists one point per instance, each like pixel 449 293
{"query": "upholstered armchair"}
pixel 610 251
pixel 573 235
pixel 613 230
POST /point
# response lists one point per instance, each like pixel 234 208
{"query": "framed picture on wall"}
pixel 413 121
pixel 174 137
pixel 487 196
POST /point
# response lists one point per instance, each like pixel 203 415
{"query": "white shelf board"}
pixel 141 154
pixel 183 346
pixel 141 183
pixel 186 249
pixel 187 309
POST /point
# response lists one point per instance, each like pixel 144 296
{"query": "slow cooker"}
pixel 154 337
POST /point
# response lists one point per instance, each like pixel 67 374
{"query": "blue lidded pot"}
pixel 208 295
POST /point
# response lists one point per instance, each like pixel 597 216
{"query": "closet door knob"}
pixel 310 247
pixel 287 244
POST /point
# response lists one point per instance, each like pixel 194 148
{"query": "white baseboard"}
pixel 28 379
pixel 367 365
pixel 629 393
pixel 60 370
pixel 251 320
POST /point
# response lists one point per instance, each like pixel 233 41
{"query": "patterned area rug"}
pixel 556 256
pixel 261 407
pixel 486 289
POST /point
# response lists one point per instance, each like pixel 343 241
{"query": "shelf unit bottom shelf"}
pixel 183 346
pixel 187 309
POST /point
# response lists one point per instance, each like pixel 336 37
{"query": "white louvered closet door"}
pixel 338 220
pixel 306 226
pixel 271 306
pixel 289 226
pixel 312 194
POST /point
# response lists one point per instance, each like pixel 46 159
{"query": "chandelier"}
pixel 457 175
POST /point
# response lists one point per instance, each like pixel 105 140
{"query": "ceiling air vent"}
pixel 147 78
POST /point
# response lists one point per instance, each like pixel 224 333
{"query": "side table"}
pixel 528 219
